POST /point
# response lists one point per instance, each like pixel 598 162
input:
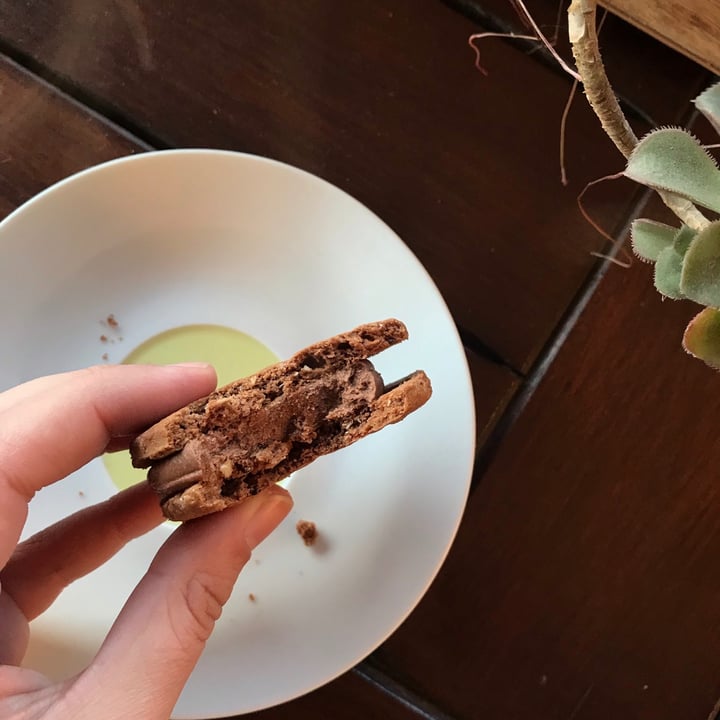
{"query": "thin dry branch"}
pixel 582 31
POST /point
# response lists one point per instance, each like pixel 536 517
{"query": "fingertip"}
pixel 276 489
pixel 192 368
pixel 271 508
pixel 201 365
pixel 252 519
pixel 202 373
pixel 198 374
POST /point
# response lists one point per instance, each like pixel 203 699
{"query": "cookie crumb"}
pixel 111 321
pixel 105 357
pixel 81 493
pixel 307 530
pixel 251 597
pixel 103 338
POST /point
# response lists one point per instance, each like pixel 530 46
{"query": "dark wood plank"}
pixel 655 79
pixel 349 697
pixel 380 97
pixel 46 137
pixel 494 387
pixel 584 580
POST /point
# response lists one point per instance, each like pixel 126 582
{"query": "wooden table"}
pixel 585 579
pixel 689 26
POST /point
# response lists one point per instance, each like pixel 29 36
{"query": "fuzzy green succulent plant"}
pixel 686 259
pixel 669 160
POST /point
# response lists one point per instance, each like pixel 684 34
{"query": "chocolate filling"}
pixel 238 438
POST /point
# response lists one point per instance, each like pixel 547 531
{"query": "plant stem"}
pixel 582 30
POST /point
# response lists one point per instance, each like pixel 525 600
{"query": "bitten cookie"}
pixel 257 430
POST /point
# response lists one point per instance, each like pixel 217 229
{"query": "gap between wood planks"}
pixel 87 102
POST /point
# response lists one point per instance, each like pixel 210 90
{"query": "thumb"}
pixel 158 637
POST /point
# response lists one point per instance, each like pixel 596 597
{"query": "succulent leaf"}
pixel 708 103
pixel 683 239
pixel 668 269
pixel 672 159
pixel 669 265
pixel 702 337
pixel 649 238
pixel 700 278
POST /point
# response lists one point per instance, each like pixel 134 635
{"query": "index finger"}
pixel 52 426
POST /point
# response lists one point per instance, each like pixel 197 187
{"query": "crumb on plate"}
pixel 307 530
pixel 251 597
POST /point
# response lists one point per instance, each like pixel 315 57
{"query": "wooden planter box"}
pixel 690 26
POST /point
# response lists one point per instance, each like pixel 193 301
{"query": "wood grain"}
pixel 381 98
pixel 690 26
pixel 349 697
pixel 494 386
pixel 46 137
pixel 584 582
pixel 655 80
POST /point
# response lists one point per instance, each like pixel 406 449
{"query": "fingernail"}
pixel 190 365
pixel 270 511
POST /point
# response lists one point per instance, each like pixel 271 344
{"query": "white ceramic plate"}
pixel 196 236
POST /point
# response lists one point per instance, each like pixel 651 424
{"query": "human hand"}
pixel 49 428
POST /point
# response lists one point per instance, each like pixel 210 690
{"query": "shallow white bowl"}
pixel 198 236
